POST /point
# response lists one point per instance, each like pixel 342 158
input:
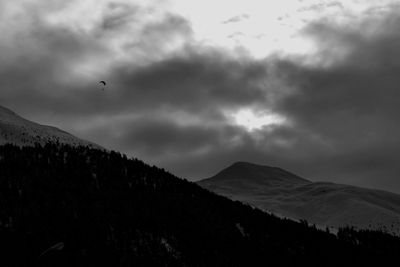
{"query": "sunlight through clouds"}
pixel 253 120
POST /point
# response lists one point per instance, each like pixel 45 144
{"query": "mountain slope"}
pixel 64 205
pixel 325 204
pixel 17 130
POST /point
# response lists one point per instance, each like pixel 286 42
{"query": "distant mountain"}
pixel 17 130
pixel 63 205
pixel 322 203
pixel 245 173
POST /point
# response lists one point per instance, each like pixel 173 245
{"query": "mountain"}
pixel 17 130
pixel 272 176
pixel 63 205
pixel 321 203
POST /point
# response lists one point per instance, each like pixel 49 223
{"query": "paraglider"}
pixel 104 84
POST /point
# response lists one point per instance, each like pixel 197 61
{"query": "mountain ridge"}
pixel 17 130
pixel 69 205
pixel 240 168
pixel 323 203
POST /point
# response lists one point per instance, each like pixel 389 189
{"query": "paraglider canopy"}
pixel 103 82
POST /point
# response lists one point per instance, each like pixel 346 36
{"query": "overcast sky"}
pixel 193 86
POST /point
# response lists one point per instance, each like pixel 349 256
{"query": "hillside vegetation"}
pixel 62 205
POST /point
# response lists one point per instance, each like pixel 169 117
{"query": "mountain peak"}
pixel 17 130
pixel 250 172
pixel 322 203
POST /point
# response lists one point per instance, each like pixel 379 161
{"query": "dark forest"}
pixel 76 206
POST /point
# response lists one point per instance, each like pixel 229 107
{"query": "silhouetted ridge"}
pixel 246 171
pixel 63 205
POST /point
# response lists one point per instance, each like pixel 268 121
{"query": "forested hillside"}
pixel 75 206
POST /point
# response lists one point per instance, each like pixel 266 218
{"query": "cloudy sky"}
pixel 192 86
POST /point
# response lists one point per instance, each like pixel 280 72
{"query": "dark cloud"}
pixel 156 38
pixel 117 16
pixel 343 111
pixel 193 81
pixel 44 63
pixel 350 101
pixel 171 106
pixel 170 24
